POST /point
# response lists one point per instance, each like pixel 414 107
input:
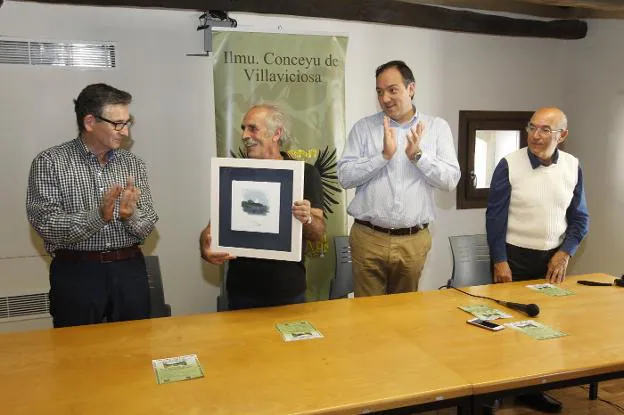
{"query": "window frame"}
pixel 469 197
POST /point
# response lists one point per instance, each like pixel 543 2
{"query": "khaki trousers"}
pixel 386 264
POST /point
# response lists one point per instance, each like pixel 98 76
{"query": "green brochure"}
pixel 551 290
pixel 484 312
pixel 298 330
pixel 174 369
pixel 536 330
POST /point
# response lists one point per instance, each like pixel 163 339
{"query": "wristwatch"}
pixel 417 156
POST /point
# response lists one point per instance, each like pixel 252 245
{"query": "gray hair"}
pixel 276 119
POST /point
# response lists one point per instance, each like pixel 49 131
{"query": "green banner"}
pixel 304 76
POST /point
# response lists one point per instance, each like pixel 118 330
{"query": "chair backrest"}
pixel 342 283
pixel 158 307
pixel 471 260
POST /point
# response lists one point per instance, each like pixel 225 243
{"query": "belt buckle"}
pixel 102 260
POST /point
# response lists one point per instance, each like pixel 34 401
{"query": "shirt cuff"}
pixel 132 220
pixel 497 259
pixel 95 220
pixel 379 160
pixel 569 247
pixel 423 163
pixel 498 255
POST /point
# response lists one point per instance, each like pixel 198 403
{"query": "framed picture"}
pixel 251 207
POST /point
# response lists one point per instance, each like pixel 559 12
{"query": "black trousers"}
pixel 89 292
pixel 528 264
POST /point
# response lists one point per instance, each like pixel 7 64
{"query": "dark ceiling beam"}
pixel 535 8
pixel 507 6
pixel 589 9
pixel 600 14
pixel 554 9
pixel 607 5
pixel 375 11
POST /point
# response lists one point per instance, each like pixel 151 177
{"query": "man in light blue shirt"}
pixel 395 159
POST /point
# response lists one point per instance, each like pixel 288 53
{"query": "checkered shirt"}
pixel 65 190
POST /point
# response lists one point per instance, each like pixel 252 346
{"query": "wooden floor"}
pixel 574 401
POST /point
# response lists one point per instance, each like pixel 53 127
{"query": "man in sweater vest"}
pixel 537 215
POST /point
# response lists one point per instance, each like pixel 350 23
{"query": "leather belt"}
pixel 394 231
pixel 113 255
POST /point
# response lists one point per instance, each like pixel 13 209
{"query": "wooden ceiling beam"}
pixel 605 5
pixel 507 6
pixel 554 9
pixel 587 9
pixel 376 11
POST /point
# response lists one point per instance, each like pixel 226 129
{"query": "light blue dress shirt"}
pixel 397 193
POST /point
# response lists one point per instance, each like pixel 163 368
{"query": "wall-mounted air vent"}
pixel 70 54
pixel 24 305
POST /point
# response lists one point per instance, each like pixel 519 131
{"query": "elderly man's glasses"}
pixel 117 125
pixel 541 130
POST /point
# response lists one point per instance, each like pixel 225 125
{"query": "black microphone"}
pixel 594 283
pixel 529 309
pixel 618 282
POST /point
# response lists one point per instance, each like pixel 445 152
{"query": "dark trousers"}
pixel 239 302
pixel 528 264
pixel 89 292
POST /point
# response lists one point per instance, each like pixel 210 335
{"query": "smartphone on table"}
pixel 488 325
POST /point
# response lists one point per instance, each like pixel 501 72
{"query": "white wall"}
pixel 173 108
pixel 175 118
pixel 453 72
pixel 594 98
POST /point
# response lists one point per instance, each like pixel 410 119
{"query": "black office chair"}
pixel 471 260
pixel 341 285
pixel 158 307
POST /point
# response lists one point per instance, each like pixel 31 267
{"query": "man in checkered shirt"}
pixel 90 201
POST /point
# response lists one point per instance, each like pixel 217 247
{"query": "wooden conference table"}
pixel 509 362
pixel 411 351
pixel 358 366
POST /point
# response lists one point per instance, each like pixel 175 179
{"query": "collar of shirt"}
pixel 407 124
pixel 84 150
pixel 535 162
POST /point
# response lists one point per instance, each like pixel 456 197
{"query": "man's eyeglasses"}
pixel 117 125
pixel 543 131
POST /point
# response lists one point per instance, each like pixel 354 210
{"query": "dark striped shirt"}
pixel 65 190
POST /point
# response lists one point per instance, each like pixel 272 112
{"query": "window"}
pixel 484 138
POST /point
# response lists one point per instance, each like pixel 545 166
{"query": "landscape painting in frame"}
pixel 251 207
